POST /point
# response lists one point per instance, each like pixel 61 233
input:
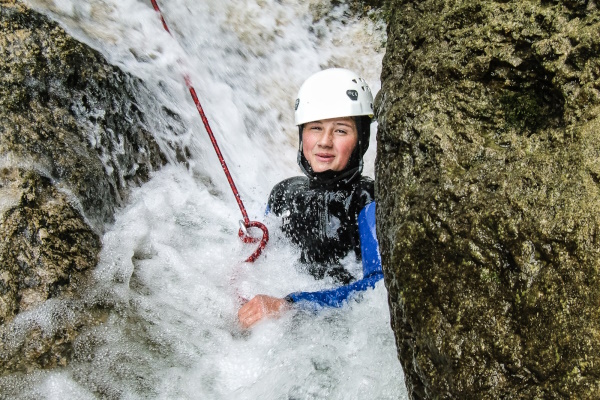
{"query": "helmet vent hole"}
pixel 354 80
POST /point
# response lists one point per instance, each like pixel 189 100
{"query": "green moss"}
pixel 522 111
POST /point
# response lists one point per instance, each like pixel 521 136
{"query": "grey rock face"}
pixel 488 197
pixel 71 143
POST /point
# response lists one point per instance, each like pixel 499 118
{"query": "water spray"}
pixel 245 223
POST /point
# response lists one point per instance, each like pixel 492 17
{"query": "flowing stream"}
pixel 172 264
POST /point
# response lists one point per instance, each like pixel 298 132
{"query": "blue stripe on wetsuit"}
pixel 371 261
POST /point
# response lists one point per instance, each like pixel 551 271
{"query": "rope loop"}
pixel 246 238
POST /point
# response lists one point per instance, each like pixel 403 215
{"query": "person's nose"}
pixel 326 139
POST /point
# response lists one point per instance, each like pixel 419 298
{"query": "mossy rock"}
pixel 488 189
pixel 72 144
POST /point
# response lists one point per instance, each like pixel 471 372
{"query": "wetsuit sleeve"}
pixel 371 261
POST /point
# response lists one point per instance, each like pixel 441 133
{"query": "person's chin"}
pixel 322 168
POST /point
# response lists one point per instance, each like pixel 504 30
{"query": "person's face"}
pixel 328 144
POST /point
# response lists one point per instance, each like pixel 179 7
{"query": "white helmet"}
pixel 333 93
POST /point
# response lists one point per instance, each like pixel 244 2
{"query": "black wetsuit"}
pixel 322 220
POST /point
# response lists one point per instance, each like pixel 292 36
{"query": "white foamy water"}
pixel 172 263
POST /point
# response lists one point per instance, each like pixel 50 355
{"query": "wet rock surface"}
pixel 72 143
pixel 488 196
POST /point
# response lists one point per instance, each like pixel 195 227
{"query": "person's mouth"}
pixel 323 157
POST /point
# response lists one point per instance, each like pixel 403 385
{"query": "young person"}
pixel 329 212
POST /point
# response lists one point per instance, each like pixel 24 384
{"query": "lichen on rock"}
pixel 487 177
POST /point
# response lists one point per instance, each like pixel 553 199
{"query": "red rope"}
pixel 247 223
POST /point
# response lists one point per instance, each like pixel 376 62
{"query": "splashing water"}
pixel 172 263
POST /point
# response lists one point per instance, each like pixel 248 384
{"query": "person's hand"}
pixel 259 307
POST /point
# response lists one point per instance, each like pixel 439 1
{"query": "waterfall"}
pixel 172 265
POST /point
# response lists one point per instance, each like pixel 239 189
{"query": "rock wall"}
pixel 488 190
pixel 72 142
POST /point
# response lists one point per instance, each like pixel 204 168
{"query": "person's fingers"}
pixel 258 308
pixel 250 319
pixel 246 312
pixel 250 313
pixel 251 305
pixel 248 322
